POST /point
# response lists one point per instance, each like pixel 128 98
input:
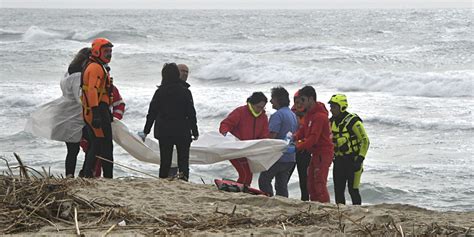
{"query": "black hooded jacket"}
pixel 172 111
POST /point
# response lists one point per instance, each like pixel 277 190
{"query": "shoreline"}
pixel 151 207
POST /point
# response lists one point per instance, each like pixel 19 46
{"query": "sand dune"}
pixel 150 206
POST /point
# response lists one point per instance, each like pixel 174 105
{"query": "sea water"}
pixel 407 73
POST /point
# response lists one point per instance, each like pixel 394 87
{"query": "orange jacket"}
pixel 95 89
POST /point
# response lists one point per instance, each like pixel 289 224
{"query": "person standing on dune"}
pixel 282 123
pixel 351 144
pixel 96 100
pixel 303 157
pixel 183 75
pixel 247 122
pixel 172 113
pixel 315 137
pixel 61 119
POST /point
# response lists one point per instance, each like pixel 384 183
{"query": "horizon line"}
pixel 303 9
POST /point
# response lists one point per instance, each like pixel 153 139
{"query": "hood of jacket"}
pixel 319 108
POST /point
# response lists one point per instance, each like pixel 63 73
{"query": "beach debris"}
pixel 31 200
pixel 122 223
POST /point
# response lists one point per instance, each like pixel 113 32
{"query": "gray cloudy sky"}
pixel 235 4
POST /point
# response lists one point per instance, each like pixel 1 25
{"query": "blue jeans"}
pixel 281 171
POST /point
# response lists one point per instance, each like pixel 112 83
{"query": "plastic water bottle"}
pixel 291 144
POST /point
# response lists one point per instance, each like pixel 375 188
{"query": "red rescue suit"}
pixel 315 137
pixel 242 124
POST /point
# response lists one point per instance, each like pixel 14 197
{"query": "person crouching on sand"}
pixel 247 122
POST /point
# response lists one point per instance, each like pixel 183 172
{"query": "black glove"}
pixel 195 134
pixel 96 118
pixel 358 163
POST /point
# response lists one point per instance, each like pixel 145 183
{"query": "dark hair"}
pixel 79 61
pixel 308 91
pixel 256 98
pixel 169 73
pixel 281 95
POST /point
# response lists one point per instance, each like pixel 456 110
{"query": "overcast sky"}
pixel 235 4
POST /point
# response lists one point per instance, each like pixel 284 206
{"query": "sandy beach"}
pixel 143 207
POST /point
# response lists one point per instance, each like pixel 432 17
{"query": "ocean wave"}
pixel 245 68
pixel 418 123
pixel 113 35
pixel 249 69
pixel 267 48
pixel 206 111
pixel 35 33
pixel 286 48
pixel 17 102
pixel 377 193
pixel 8 35
pixel 427 84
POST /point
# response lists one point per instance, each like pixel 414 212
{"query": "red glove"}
pixel 84 144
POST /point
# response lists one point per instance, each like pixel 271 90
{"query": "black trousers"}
pixel 73 149
pixel 343 173
pixel 166 152
pixel 71 157
pixel 303 158
pixel 100 146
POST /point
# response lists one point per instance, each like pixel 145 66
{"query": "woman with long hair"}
pixel 172 113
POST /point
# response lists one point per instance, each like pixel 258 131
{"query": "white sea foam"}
pixel 247 69
pixel 35 33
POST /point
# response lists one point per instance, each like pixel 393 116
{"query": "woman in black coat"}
pixel 172 111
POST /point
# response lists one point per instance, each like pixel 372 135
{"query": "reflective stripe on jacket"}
pixel 349 136
pixel 95 89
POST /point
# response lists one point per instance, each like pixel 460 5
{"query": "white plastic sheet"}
pixel 211 148
pixel 60 119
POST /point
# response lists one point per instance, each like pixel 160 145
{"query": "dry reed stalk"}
pixel 8 165
pixel 109 230
pixel 156 218
pixel 30 203
pixel 22 167
pixel 124 166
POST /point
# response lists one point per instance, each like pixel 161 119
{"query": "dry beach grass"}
pixel 36 203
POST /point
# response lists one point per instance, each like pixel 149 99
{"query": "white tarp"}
pixel 60 119
pixel 211 148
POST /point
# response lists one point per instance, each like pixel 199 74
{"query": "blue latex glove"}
pixel 142 135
